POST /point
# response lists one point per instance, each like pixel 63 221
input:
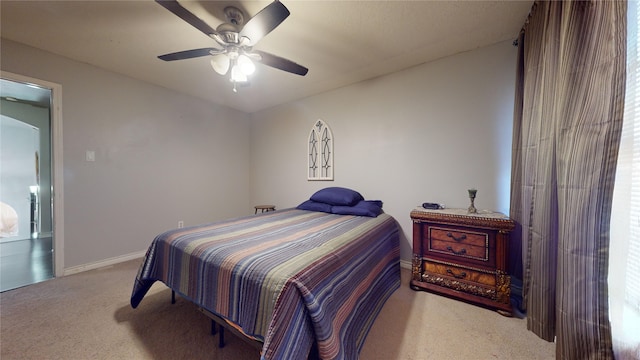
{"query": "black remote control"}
pixel 432 206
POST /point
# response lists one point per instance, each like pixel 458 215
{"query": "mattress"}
pixel 288 278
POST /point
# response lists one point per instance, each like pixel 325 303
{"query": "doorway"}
pixel 27 236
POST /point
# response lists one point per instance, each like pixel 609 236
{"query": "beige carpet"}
pixel 88 316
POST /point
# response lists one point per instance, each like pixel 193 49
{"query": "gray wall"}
pixel 427 133
pixel 160 157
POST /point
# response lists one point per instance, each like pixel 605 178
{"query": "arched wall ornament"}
pixel 320 152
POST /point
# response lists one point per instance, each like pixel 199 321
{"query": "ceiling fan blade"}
pixel 281 63
pixel 188 54
pixel 186 15
pixel 264 22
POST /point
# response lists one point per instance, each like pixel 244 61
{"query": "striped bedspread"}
pixel 289 277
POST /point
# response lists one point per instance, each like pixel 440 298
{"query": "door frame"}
pixel 57 195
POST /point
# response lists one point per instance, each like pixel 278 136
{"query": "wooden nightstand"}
pixel 463 256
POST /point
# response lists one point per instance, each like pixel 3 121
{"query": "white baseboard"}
pixel 103 263
pixel 405 264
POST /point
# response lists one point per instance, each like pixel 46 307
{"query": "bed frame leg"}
pixel 221 338
pixel 173 297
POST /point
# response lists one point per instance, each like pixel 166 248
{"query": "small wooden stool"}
pixel 264 208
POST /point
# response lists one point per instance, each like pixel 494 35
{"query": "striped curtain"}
pixel 567 127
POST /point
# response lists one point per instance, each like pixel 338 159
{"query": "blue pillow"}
pixel 371 208
pixel 337 196
pixel 377 203
pixel 314 206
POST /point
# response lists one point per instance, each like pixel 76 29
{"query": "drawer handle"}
pixel 459 238
pixel 461 252
pixel 462 275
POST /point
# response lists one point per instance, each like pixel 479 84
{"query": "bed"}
pixel 289 280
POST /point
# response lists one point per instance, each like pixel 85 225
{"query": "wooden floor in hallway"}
pixel 25 262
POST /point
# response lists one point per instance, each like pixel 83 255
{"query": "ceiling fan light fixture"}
pixel 237 75
pixel 246 65
pixel 220 63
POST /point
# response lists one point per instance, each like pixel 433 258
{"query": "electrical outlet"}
pixel 180 224
pixel 90 155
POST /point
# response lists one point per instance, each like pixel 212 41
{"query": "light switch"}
pixel 91 155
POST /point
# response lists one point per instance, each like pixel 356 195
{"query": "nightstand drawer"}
pixel 460 273
pixel 468 244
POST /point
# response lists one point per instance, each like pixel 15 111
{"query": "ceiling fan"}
pixel 236 39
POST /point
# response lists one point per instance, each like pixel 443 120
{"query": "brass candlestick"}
pixel 472 196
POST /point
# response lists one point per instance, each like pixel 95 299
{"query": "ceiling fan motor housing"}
pixel 229 33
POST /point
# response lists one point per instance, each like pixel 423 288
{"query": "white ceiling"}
pixel 341 42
